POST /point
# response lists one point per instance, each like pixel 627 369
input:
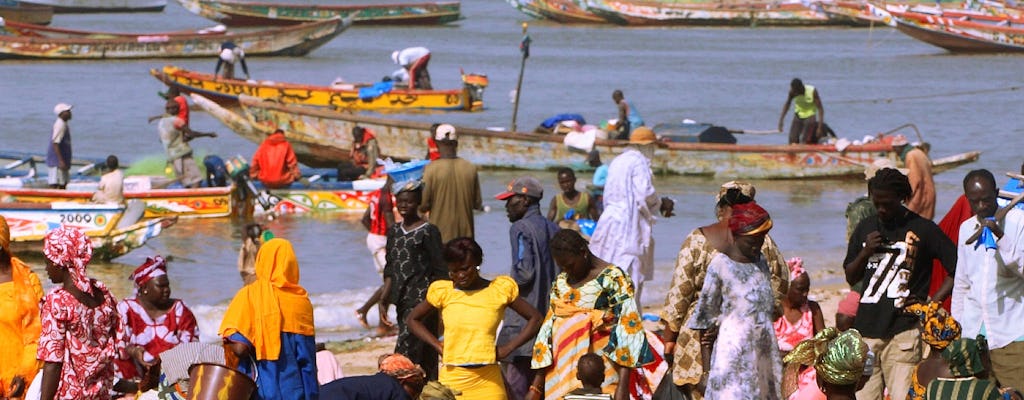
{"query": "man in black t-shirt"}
pixel 891 256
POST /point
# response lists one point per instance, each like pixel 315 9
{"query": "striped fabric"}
pixel 575 337
pixel 963 389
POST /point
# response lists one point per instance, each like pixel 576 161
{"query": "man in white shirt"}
pixel 988 290
pixel 111 189
pixel 58 151
pixel 414 62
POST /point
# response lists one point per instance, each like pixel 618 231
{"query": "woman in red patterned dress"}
pixel 151 323
pixel 79 338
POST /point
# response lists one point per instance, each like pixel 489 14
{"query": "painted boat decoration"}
pixel 234 13
pixel 564 11
pixel 226 91
pixel 14 28
pixel 291 41
pixel 113 229
pixel 185 203
pixel 103 6
pixel 18 11
pixel 323 136
pixel 662 13
pixel 319 197
pixel 959 35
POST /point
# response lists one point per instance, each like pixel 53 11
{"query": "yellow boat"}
pixel 347 97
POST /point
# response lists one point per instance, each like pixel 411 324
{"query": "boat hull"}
pixel 103 6
pixel 185 203
pixel 326 132
pixel 291 41
pixel 964 40
pixel 226 91
pixel 25 12
pixel 653 13
pixel 270 14
pixel 334 197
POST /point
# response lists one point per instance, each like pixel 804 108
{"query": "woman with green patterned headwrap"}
pixel 938 330
pixel 968 363
pixel 839 360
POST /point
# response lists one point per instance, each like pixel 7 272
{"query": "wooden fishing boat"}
pixel 292 41
pixel 323 136
pixel 103 6
pixel 18 164
pixel 113 229
pixel 958 35
pixel 233 13
pixel 691 13
pixel 181 202
pixel 13 28
pixel 11 10
pixel 318 197
pixel 563 11
pixel 226 91
pixel 856 13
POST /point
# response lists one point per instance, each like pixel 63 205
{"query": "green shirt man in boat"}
pixel 809 119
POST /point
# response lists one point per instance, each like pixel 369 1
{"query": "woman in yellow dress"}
pixel 20 293
pixel 471 308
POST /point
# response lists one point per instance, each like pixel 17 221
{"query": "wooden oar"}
pixel 755 132
pixel 1001 213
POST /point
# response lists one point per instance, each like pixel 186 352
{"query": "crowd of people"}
pixel 566 320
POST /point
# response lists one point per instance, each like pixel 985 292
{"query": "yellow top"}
pixel 471 319
pixel 19 326
pixel 273 304
pixel 804 103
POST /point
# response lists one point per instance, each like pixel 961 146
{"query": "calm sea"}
pixel 732 77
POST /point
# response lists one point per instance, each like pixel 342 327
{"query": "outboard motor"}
pixel 473 85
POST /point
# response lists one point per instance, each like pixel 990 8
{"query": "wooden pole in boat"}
pixel 524 47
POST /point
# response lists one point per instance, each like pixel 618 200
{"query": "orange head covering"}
pixel 400 367
pixel 5 235
pixel 749 219
pixel 275 303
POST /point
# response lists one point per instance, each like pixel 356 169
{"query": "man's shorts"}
pixel 57 176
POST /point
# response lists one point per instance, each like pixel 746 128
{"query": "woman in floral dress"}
pixel 737 299
pixel 592 310
pixel 79 338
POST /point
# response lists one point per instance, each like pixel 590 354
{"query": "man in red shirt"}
pixel 274 162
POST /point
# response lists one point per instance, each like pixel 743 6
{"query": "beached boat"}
pixel 113 229
pixel 564 11
pixel 317 197
pixel 960 35
pixel 323 137
pixel 234 13
pixel 856 13
pixel 292 41
pixel 13 28
pixel 185 203
pixel 11 10
pixel 103 6
pixel 348 97
pixel 693 13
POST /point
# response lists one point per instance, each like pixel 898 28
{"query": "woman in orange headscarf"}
pixel 20 292
pixel 271 321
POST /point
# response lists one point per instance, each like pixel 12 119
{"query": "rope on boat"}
pixel 929 96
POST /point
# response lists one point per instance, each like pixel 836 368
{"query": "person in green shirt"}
pixel 809 117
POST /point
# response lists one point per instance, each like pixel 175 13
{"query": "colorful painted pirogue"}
pixel 14 28
pixel 564 11
pixel 232 13
pixel 750 13
pixel 112 231
pixel 292 41
pixel 325 197
pixel 960 35
pixel 323 136
pixel 103 6
pixel 397 99
pixel 186 203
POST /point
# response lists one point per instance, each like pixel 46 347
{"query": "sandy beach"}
pixel 359 357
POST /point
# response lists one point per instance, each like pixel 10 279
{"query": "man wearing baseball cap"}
pixel 58 153
pixel 533 269
pixel 451 188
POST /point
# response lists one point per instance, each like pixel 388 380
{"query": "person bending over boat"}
pixel 175 135
pixel 629 117
pixel 230 54
pixel 809 120
pixel 414 62
pixel 274 162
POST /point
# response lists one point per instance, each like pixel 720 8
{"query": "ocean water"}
pixel 870 80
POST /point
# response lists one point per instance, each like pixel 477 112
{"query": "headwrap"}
pixel 406 186
pixel 796 268
pixel 5 235
pixel 399 367
pixel 69 248
pixel 964 357
pixel 153 267
pixel 745 189
pixel 837 357
pixel 938 328
pixel 438 391
pixel 273 304
pixel 749 219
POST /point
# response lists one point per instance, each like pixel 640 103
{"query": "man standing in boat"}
pixel 274 162
pixel 175 135
pixel 58 153
pixel 809 119
pixel 414 62
pixel 230 54
pixel 451 188
pixel 629 117
pixel 365 151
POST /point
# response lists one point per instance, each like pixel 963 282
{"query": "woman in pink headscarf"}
pixel 151 323
pixel 801 319
pixel 79 338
